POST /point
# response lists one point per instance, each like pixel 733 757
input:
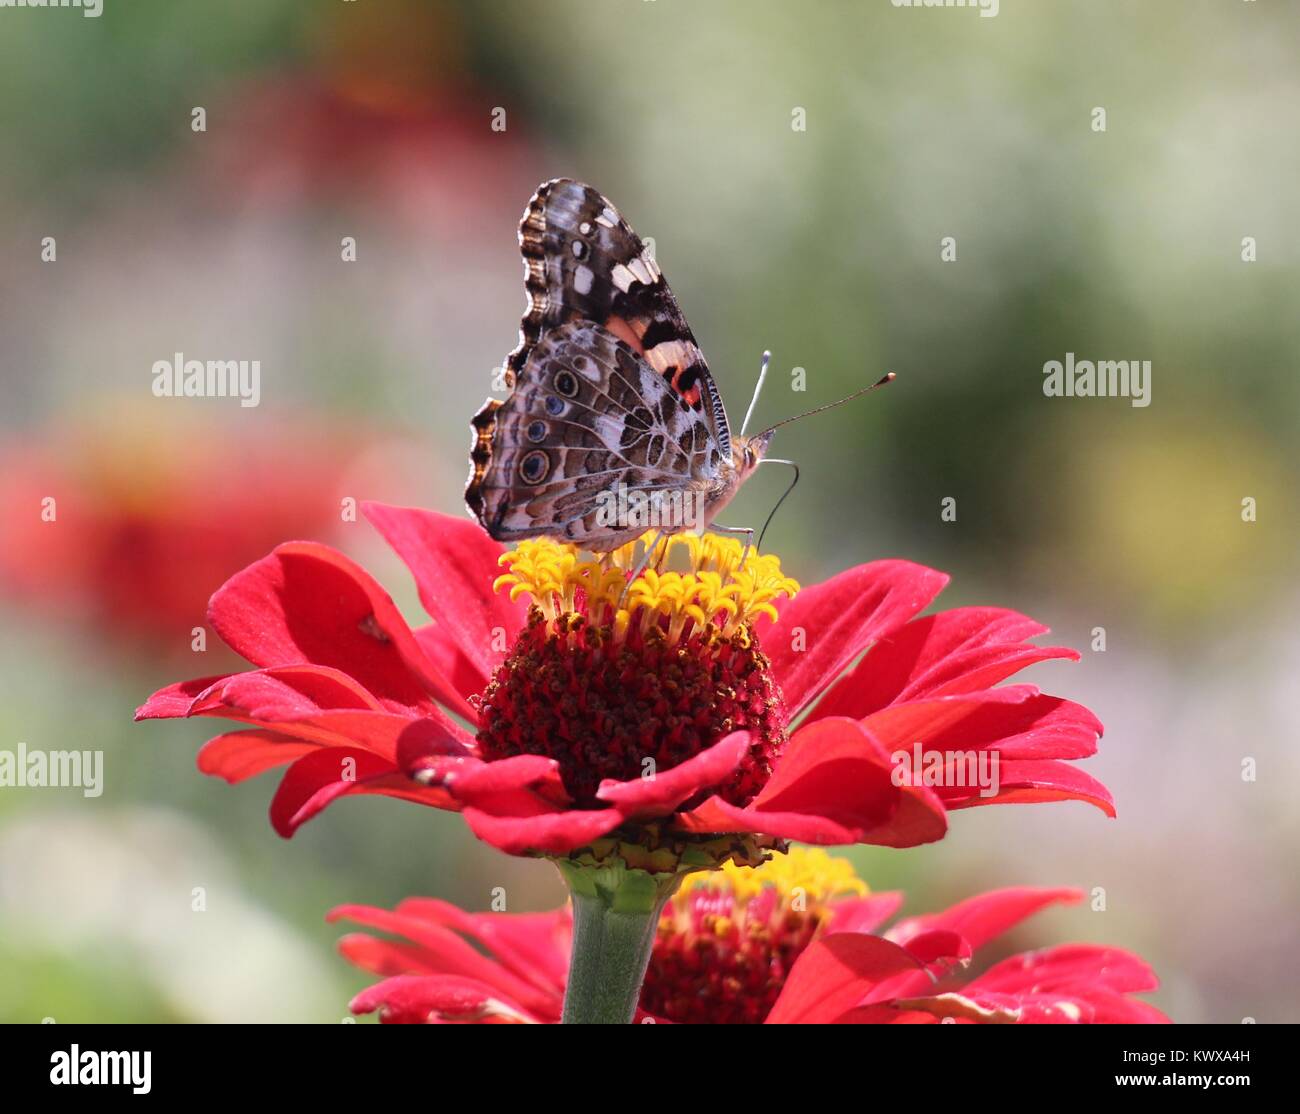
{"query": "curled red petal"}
pixel 1030 782
pixel 660 794
pixel 939 949
pixel 316 780
pixel 286 692
pixel 482 783
pixel 174 701
pixel 834 784
pixel 547 832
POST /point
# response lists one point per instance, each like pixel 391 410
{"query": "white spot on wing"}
pixel 582 277
pixel 623 278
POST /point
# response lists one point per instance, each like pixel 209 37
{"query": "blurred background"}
pixel 373 120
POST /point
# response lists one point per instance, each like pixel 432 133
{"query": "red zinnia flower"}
pixel 646 723
pixel 126 527
pixel 794 940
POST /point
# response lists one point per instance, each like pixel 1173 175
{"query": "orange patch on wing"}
pixel 692 396
pixel 621 328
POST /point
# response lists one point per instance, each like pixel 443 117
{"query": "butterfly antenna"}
pixel 831 405
pixel 758 388
pixel 772 513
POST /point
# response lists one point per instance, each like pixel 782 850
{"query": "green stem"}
pixel 615 916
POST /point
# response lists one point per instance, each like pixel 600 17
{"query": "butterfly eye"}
pixel 554 406
pixel 566 384
pixel 536 431
pixel 534 466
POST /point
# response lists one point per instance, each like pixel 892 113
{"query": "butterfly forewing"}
pixel 647 414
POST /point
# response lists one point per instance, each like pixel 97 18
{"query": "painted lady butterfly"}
pixel 609 393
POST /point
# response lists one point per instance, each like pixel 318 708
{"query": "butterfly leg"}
pixel 641 565
pixel 747 531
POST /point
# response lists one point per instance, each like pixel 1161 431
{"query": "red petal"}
pixel 661 794
pixel 977 920
pixel 454 563
pixel 1095 1007
pixel 272 699
pixel 173 702
pixel 840 618
pixel 1016 720
pixel 415 999
pixel 490 786
pixel 319 778
pixel 864 914
pixel 546 832
pixel 938 950
pixel 445 952
pixel 833 784
pixel 1073 968
pixel 963 650
pixel 295 688
pixel 987 916
pixel 834 974
pixel 445 655
pixel 307 603
pixel 240 755
pixel 286 692
pixel 1031 782
pixel 535 946
pixel 383 957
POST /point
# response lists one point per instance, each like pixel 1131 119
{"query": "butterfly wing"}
pixel 583 263
pixel 587 416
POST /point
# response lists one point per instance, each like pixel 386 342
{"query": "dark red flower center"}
pixel 727 940
pixel 622 708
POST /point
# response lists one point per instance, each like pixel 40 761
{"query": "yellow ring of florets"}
pixel 804 871
pixel 724 586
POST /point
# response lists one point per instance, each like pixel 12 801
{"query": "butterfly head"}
pixel 748 452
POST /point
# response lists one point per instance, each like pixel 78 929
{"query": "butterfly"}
pixel 613 423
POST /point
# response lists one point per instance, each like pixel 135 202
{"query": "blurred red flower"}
pixel 386 111
pixel 126 529
pixel 654 732
pixel 797 940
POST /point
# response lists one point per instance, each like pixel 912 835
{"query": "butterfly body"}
pixel 614 424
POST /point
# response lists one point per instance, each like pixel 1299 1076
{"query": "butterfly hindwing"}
pixel 588 414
